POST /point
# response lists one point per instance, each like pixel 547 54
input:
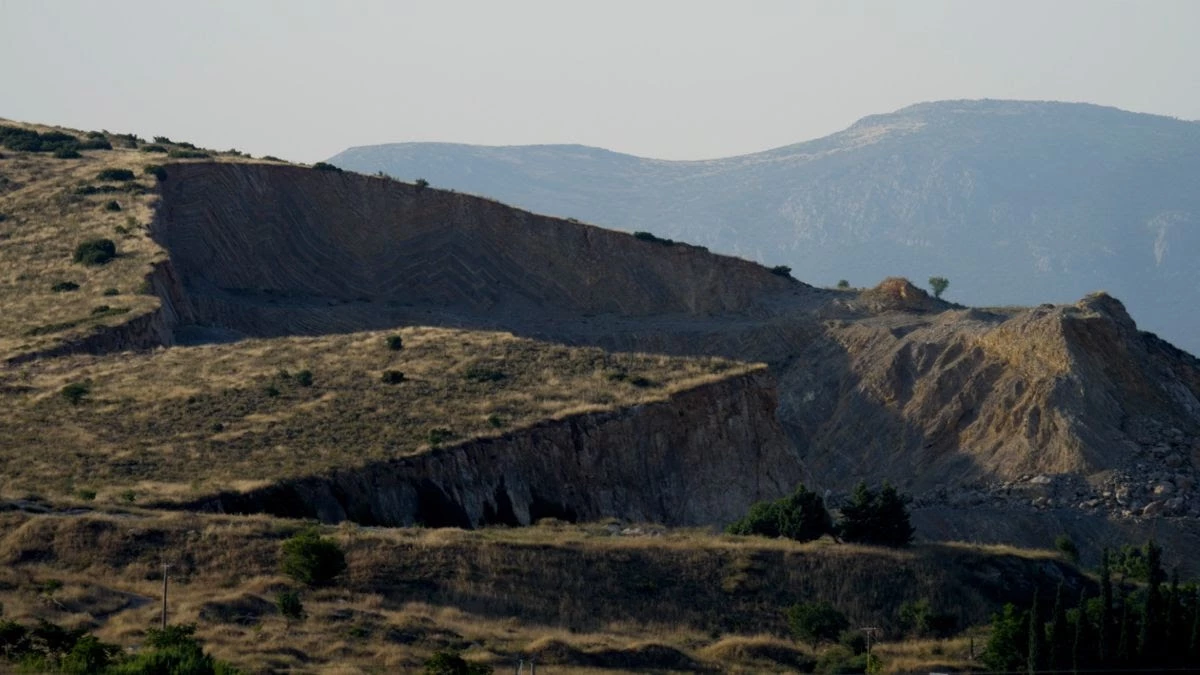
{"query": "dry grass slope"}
pixel 185 421
pixel 49 206
pixel 580 599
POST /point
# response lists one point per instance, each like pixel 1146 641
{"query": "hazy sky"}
pixel 679 80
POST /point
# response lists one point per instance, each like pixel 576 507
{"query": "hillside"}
pixel 611 597
pixel 1015 202
pixel 1062 417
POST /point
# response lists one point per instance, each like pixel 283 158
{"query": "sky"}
pixel 305 79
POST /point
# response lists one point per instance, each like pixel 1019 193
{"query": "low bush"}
pixel 304 378
pixel 111 291
pixel 311 559
pixel 95 251
pixel 65 287
pixel 439 435
pixel 115 175
pixel 420 184
pixel 395 343
pixel 67 153
pixel 482 374
pixel 781 271
pixel 75 392
pixel 112 205
pixel 326 166
pixel 181 153
pixel 95 143
pixel 451 663
pixel 392 377
pixel 162 139
pixel 646 236
pixel 271 158
pixel 290 607
pixel 816 622
pixel 154 147
pixel 843 284
pixel 155 170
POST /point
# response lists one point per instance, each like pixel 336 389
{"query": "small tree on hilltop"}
pixel 879 518
pixel 938 284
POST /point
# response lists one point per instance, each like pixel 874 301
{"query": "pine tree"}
pixel 1125 646
pixel 876 518
pixel 1060 637
pixel 1150 646
pixel 1083 639
pixel 1103 644
pixel 1037 638
pixel 1194 642
pixel 1175 634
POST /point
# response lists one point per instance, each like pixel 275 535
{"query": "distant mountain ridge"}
pixel 1016 202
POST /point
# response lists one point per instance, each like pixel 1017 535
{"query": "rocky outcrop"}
pixel 702 456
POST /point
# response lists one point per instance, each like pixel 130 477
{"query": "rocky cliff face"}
pixel 959 406
pixel 703 456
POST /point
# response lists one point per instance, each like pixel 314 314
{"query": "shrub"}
pixel 95 251
pixel 290 606
pixel 111 292
pixel 155 170
pixel 495 421
pixel 843 284
pixel 304 378
pixel 938 284
pixel 153 147
pixel 420 184
pixel 481 374
pixel 919 619
pixel 95 143
pixel 180 153
pixel 116 175
pixel 128 496
pixel 451 663
pixel 395 343
pixel 112 205
pixel 1068 548
pixel 392 377
pixel 439 435
pixel 815 622
pixel 800 516
pixel 76 392
pixel 67 153
pixel 86 495
pixel 879 518
pixel 782 271
pixel 311 559
pixel 271 158
pixel 326 166
pixel 646 236
pixel 65 287
pixel 162 139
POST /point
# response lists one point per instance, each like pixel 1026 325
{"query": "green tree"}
pixel 311 559
pixel 801 516
pixel 816 622
pixel 843 284
pixel 939 285
pixel 879 518
pixel 1007 648
pixel 1105 622
pixel 1067 547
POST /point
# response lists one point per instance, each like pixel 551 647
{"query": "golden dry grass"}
pixel 183 421
pixel 101 571
pixel 45 218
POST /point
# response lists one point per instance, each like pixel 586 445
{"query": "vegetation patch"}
pixel 95 251
pixel 185 153
pixel 115 175
pixel 326 166
pixel 646 236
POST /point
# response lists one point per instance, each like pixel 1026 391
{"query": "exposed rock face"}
pixel 704 456
pixel 959 406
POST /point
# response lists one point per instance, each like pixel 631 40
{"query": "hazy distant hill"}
pixel 1014 202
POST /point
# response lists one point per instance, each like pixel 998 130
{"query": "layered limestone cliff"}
pixel 702 456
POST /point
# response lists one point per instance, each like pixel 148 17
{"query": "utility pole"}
pixel 164 598
pixel 870 632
